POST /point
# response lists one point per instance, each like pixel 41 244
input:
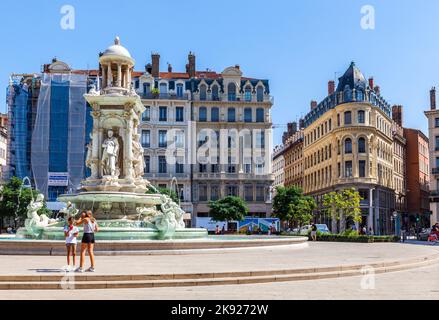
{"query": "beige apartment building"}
pixel 294 164
pixel 348 142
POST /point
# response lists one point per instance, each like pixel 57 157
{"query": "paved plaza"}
pixel 320 254
pixel 418 283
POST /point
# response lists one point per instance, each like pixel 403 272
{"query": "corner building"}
pixel 348 143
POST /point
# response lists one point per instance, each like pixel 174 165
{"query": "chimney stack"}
pixel 377 90
pixel 169 68
pixel 191 65
pixel 294 128
pixel 433 98
pixel 371 84
pixel 313 104
pixel 331 87
pixel 301 124
pixel 155 72
pixel 290 128
pixel 397 114
pixel 148 68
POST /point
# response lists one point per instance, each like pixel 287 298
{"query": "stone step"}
pixel 230 279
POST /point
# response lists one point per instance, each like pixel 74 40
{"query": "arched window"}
pixel 163 88
pixel 260 115
pixel 347 94
pixel 231 115
pixel 248 115
pixel 179 90
pixel 348 146
pixel 361 145
pixel 347 118
pixel 260 93
pixel 215 93
pixel 146 88
pixel 360 95
pixel 202 116
pixel 214 114
pixel 231 91
pixel 248 94
pixel 203 92
pixel 361 116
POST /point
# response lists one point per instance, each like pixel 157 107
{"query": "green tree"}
pixel 341 205
pixel 228 209
pixel 302 210
pixel 15 199
pixel 333 203
pixel 292 206
pixel 351 206
pixel 283 200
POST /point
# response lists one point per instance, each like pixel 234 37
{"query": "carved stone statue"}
pixel 88 160
pixel 69 211
pixel 35 221
pixel 138 159
pixel 110 155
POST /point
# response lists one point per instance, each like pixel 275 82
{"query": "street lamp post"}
pixel 395 220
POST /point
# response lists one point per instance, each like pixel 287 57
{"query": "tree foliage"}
pixel 292 206
pixel 228 209
pixel 15 199
pixel 343 204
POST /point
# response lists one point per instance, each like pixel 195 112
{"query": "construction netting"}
pixel 18 105
pixel 58 138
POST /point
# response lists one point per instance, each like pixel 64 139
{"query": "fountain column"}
pixel 109 76
pixel 119 75
pixel 128 158
pixel 95 143
pixel 104 77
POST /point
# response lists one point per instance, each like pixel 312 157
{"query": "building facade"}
pixel 165 122
pixel 3 145
pixel 418 179
pixel 294 164
pixel 348 143
pixel 232 114
pixel 399 165
pixel 278 167
pixel 433 133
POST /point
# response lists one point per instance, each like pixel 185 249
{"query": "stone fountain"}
pixel 125 204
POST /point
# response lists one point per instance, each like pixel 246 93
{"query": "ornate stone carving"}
pixel 35 222
pixel 110 156
pixel 138 157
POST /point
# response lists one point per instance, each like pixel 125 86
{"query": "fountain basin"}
pixel 206 245
pixel 116 230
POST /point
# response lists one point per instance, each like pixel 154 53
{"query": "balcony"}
pixel 164 96
pixel 435 171
pixel 232 176
pixel 240 97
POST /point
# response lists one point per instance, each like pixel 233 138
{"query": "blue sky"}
pixel 297 45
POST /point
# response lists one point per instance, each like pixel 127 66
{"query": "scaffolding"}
pixel 58 138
